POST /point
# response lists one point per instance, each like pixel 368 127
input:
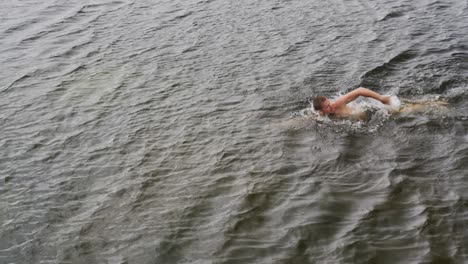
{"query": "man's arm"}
pixel 361 91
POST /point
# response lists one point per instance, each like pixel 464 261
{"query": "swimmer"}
pixel 339 107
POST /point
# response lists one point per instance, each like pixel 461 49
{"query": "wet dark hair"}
pixel 318 101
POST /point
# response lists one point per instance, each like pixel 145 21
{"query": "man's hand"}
pixel 385 99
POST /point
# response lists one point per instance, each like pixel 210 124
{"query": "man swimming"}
pixel 339 107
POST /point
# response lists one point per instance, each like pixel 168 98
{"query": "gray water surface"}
pixel 174 132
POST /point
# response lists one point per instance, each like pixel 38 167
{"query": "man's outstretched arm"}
pixel 361 91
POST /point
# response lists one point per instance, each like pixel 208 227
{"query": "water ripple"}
pixel 180 131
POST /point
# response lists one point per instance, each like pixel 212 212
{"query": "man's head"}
pixel 323 104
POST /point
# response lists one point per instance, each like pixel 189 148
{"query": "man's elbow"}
pixel 361 90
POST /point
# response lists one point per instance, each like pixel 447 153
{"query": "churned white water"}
pixel 395 103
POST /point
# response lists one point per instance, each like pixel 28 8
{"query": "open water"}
pixel 180 132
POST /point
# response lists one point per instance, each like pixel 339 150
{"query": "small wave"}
pixel 190 49
pixel 438 5
pixel 393 14
pixel 18 80
pixel 93 7
pixel 292 48
pixel 22 26
pixel 391 65
pixel 179 17
pixel 67 52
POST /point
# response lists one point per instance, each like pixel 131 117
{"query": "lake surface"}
pixel 181 132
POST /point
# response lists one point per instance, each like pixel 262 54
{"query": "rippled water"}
pixel 178 132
